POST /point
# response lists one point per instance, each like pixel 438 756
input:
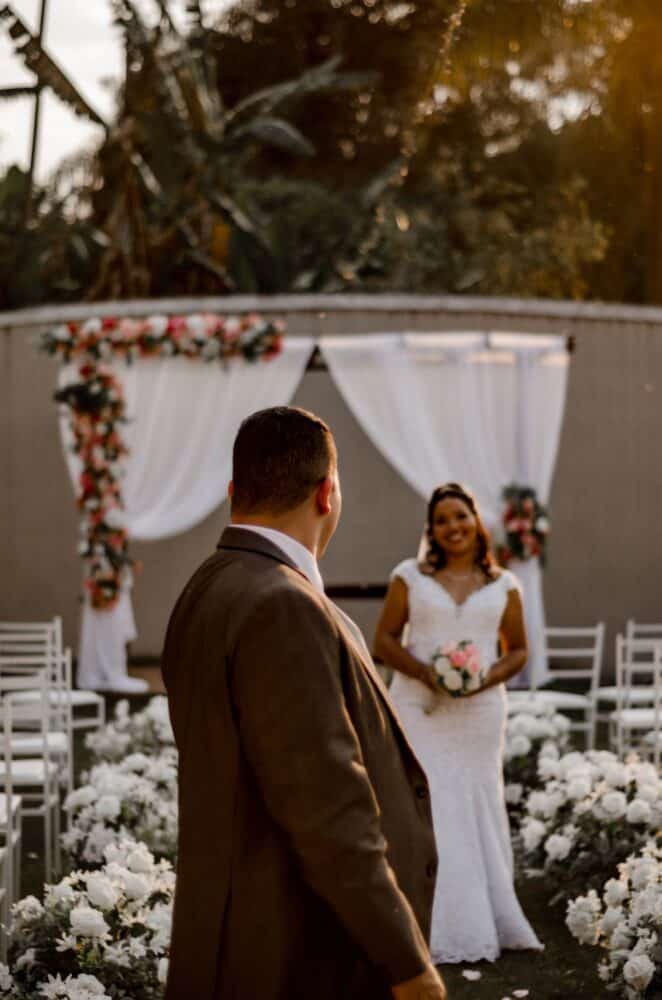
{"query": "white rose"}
pixel 638 971
pixel 108 807
pixel 101 892
pixel 513 793
pixel 582 918
pixel 520 745
pixel 195 325
pixel 557 847
pixel 114 518
pixel 533 832
pixel 616 892
pixel 549 749
pixel 60 893
pixel 88 922
pixel 452 680
pixel 548 768
pixel 92 325
pixel 643 871
pixel 579 787
pixel 639 811
pixel 616 775
pixel 28 908
pixel 157 325
pixel 621 937
pixel 88 985
pixel 135 886
pixel 614 804
pixel 81 797
pixel 648 792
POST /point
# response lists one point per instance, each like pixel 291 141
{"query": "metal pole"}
pixel 36 117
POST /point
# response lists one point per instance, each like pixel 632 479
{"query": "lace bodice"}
pixel 436 618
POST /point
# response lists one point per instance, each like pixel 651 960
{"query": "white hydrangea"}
pixel 639 811
pixel 533 833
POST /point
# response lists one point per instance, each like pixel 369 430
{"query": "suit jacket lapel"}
pixel 245 540
pixel 354 638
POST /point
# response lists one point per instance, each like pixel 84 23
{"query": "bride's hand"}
pixel 428 677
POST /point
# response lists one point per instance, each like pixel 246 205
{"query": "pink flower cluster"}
pixel 458 667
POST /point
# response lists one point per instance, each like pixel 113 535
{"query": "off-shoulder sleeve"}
pixel 406 570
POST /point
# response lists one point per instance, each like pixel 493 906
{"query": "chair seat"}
pixel 634 718
pixel 29 771
pixel 635 695
pixel 76 698
pixel 522 701
pixel 31 745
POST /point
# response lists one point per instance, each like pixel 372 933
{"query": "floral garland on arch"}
pixel 525 524
pixel 97 409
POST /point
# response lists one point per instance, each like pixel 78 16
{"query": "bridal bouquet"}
pixel 458 669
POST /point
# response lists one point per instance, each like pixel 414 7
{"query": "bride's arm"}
pixel 512 633
pixel 394 617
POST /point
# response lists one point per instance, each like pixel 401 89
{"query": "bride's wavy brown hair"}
pixel 435 557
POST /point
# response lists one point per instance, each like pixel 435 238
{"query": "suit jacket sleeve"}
pixel 303 749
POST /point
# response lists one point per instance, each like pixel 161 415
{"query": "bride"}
pixel 457 592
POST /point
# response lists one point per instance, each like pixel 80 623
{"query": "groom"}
pixel 307 861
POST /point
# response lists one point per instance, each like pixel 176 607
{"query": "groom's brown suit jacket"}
pixel 307 861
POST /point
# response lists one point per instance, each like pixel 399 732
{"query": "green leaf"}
pixel 276 132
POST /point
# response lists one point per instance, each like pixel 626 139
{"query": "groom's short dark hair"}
pixel 279 457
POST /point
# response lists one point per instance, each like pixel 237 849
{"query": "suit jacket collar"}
pixel 245 540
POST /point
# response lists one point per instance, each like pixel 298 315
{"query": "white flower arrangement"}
pixel 135 798
pixel 592 812
pixel 98 935
pixel 148 731
pixel 540 731
pixel 626 922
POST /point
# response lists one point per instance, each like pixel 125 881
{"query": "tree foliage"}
pixel 492 147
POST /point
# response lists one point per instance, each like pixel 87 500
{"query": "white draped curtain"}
pixel 485 409
pixel 183 416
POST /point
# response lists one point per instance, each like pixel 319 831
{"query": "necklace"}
pixel 459 576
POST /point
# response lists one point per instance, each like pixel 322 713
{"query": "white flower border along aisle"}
pixel 591 814
pixel 136 797
pixel 626 920
pixel 102 934
pixel 148 731
pixel 531 735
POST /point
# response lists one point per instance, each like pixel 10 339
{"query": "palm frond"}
pixel 271 131
pixel 28 47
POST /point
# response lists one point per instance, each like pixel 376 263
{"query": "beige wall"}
pixel 606 551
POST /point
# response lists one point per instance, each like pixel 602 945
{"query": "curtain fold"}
pixel 484 409
pixel 183 416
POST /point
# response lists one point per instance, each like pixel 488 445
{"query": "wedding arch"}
pixel 148 435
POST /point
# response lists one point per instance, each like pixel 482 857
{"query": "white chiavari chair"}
pixel 572 654
pixel 637 674
pixel 35 778
pixel 11 835
pixel 88 708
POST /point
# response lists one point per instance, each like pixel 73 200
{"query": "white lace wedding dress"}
pixel 459 742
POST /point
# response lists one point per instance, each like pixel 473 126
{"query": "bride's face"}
pixel 454 527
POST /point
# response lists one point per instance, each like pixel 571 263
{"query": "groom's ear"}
pixel 230 490
pixel 323 495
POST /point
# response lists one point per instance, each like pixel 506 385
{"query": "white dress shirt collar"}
pixel 302 558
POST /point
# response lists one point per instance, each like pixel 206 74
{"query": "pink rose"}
pixel 473 665
pixel 448 648
pixel 459 658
